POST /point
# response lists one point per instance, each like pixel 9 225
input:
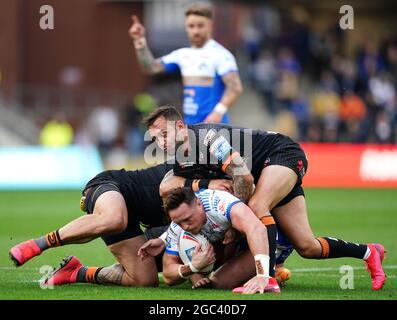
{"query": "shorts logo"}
pixel 267 162
pixel 301 168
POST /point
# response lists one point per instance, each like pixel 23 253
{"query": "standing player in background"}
pixel 209 71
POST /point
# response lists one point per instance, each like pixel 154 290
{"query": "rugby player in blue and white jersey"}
pixel 213 212
pixel 209 71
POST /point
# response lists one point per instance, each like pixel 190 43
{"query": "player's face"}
pixel 167 134
pixel 198 29
pixel 189 218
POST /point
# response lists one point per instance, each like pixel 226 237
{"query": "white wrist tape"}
pixel 220 108
pixel 193 268
pixel 262 265
pixel 180 272
pixel 163 237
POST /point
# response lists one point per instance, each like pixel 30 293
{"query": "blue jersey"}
pixel 212 61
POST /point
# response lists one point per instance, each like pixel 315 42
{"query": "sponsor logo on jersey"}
pixel 220 148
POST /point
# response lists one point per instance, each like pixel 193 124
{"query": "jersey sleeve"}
pixel 224 202
pixel 173 234
pixel 171 61
pixel 219 148
pixel 226 63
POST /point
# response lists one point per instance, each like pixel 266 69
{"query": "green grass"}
pixel 354 215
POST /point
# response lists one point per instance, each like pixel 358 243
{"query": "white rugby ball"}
pixel 187 244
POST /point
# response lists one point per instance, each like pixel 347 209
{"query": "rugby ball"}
pixel 187 244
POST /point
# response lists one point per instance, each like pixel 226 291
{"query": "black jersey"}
pixel 140 189
pixel 211 145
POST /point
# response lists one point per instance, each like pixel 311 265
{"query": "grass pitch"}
pixel 353 215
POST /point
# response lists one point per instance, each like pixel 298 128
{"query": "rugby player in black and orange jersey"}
pixel 274 162
pixel 116 202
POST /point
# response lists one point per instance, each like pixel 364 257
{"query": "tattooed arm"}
pixel 145 57
pixel 111 275
pixel 243 181
pixel 233 90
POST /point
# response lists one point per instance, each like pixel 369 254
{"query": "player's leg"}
pixel 284 250
pixel 237 271
pixel 292 218
pixel 109 216
pixel 129 271
pixel 136 272
pixel 274 184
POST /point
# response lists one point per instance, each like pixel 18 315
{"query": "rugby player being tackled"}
pixel 274 162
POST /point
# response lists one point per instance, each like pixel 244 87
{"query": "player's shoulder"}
pixel 175 228
pixel 215 45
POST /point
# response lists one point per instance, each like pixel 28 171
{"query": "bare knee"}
pixel 309 249
pixel 258 206
pixel 153 282
pixel 114 224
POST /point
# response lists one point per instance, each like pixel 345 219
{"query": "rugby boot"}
pixel 374 265
pixel 24 251
pixel 65 273
pixel 283 275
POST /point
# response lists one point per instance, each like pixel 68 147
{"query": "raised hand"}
pixel 137 30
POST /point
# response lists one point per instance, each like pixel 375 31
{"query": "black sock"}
pixel 268 221
pixel 50 240
pixel 336 248
pixel 88 274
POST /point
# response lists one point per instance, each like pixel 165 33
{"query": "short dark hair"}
pixel 177 197
pixel 199 9
pixel 168 112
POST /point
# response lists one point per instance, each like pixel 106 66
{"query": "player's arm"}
pixel 244 220
pixel 232 164
pixel 174 272
pixel 170 182
pixel 233 89
pixel 145 57
pixel 243 181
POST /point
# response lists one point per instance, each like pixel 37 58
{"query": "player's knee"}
pixel 168 281
pixel 141 282
pixel 307 249
pixel 258 206
pixel 115 224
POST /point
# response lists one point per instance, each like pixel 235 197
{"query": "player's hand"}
pixel 256 284
pixel 151 248
pixel 213 117
pixel 203 258
pixel 202 283
pixel 231 235
pixel 137 30
pixel 221 184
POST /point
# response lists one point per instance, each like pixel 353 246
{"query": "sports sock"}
pixel 50 240
pixel 336 248
pixel 88 274
pixel 270 224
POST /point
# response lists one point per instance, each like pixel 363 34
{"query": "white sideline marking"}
pixel 337 269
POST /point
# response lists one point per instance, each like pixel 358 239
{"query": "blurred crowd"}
pixel 309 86
pixel 319 94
